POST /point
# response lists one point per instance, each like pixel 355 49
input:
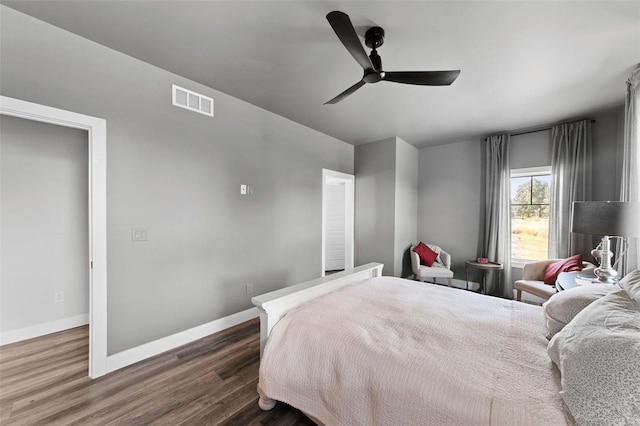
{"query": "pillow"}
pixel 570 264
pixel 427 256
pixel 597 354
pixel 560 309
pixel 436 249
pixel 631 284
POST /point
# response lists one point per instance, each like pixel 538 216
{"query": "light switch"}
pixel 243 189
pixel 139 234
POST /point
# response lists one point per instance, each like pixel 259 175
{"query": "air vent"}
pixel 193 101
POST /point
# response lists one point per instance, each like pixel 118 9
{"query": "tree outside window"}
pixel 530 216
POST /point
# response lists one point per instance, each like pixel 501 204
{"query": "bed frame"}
pixel 272 306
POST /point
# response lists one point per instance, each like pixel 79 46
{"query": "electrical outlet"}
pixel 249 288
pixel 58 296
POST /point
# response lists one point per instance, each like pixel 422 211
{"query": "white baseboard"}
pixel 147 350
pixel 41 329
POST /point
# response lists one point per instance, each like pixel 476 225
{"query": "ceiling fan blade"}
pixel 346 93
pixel 423 78
pixel 343 28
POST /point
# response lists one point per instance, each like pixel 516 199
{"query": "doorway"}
pixel 337 221
pixel 97 226
pixel 45 243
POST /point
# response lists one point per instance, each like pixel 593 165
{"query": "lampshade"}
pixel 606 218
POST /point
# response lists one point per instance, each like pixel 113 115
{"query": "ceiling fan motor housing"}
pixel 374 37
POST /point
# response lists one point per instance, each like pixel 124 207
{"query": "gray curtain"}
pixel 630 185
pixel 497 219
pixel 570 181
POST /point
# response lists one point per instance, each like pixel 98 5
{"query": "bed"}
pixel 361 349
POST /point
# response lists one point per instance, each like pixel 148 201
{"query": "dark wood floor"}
pixel 212 381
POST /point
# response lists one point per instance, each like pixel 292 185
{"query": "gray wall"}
pixel 375 168
pixel 451 184
pixel 386 204
pixel 449 199
pixel 178 174
pixel 607 156
pixel 531 150
pixel 44 222
pixel 406 205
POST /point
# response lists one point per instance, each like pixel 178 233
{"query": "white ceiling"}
pixel 524 63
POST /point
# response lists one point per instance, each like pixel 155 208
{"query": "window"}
pixel 530 214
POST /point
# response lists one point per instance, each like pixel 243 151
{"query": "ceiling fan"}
pixel 372 64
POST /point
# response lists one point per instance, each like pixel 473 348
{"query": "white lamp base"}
pixel 605 273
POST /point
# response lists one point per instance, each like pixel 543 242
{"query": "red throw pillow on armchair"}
pixel 570 264
pixel 427 256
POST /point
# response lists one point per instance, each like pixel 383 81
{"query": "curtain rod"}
pixel 536 130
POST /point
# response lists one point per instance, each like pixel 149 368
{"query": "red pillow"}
pixel 570 264
pixel 427 256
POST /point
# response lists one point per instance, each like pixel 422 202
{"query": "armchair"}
pixel 441 268
pixel 533 276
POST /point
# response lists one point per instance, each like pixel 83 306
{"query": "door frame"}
pixel 349 185
pixel 97 167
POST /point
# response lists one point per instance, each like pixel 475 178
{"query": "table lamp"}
pixel 607 218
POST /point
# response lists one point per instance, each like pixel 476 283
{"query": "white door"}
pixel 337 221
pixel 335 226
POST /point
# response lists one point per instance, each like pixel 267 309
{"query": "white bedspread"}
pixel 389 351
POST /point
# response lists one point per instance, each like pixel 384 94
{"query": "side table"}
pixel 567 280
pixel 484 267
